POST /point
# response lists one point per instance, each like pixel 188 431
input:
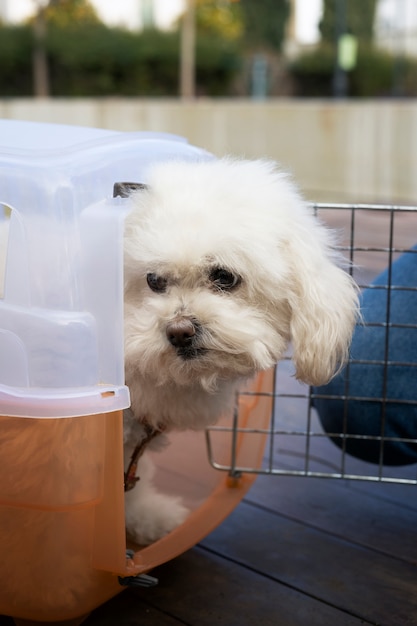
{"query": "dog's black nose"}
pixel 181 332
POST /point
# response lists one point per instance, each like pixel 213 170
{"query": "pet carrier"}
pixel 363 425
pixel 62 537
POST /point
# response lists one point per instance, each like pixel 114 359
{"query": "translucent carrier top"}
pixel 61 263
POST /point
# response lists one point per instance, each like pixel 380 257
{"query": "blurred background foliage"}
pixel 358 17
pixel 377 72
pixel 87 58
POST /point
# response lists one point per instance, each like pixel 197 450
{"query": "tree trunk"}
pixel 40 60
pixel 187 61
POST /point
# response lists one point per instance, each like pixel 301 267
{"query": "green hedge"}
pixel 94 60
pixel 377 73
pixel 15 61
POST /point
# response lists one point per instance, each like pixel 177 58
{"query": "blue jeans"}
pixel 382 397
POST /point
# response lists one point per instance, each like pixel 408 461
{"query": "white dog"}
pixel 225 265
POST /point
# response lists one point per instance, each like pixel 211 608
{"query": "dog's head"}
pixel 224 266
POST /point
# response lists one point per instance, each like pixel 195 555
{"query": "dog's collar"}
pixel 130 478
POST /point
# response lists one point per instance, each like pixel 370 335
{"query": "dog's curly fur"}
pixel 225 265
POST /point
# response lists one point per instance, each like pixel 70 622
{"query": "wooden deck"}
pixel 295 552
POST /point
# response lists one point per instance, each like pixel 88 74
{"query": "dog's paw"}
pixel 151 518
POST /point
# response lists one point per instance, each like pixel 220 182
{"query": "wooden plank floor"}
pixel 295 552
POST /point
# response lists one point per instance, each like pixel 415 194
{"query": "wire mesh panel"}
pixel 363 425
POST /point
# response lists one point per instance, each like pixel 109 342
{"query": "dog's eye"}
pixel 156 283
pixel 223 279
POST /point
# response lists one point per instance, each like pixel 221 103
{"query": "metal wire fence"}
pixel 370 432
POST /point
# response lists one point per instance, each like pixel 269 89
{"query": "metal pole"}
pixel 400 48
pixel 339 76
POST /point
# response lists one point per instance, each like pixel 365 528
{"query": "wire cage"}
pixel 357 440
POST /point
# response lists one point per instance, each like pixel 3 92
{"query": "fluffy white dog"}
pixel 225 265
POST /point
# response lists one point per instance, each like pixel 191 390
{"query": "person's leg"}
pixel 381 381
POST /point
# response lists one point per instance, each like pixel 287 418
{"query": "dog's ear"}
pixel 324 308
pixel 124 190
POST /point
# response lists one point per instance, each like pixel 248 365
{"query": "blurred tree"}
pixel 357 17
pixel 66 12
pixel 264 23
pixel 257 24
pixel 187 51
pixel 58 13
pixel 40 68
pixel 221 18
pixel 327 70
pixel 210 34
pixel 346 23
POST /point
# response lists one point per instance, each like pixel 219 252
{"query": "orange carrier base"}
pixel 62 535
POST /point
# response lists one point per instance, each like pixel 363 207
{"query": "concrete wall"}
pixel 353 151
